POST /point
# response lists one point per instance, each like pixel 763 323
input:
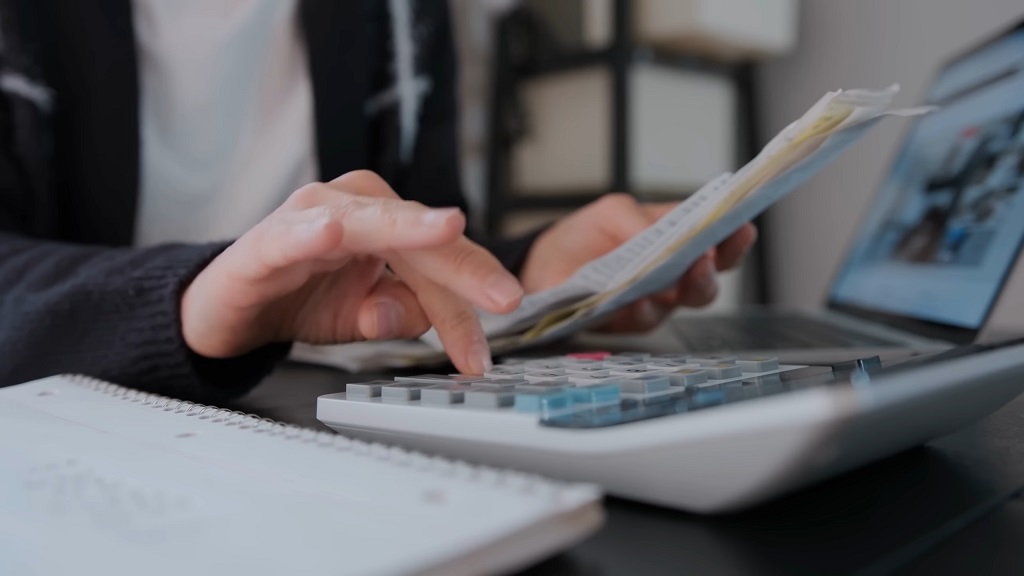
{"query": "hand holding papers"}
pixel 654 260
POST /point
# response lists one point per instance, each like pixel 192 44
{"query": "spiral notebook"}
pixel 98 478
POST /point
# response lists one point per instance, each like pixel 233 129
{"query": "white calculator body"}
pixel 709 434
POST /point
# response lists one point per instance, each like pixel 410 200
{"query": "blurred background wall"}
pixel 839 44
pixel 861 43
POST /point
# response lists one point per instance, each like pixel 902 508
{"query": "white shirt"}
pixel 226 116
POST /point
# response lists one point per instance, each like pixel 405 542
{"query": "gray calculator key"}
pixel 761 364
pixel 713 360
pixel 724 371
pixel 644 384
pixel 490 398
pixel 404 390
pixel 444 394
pixel 366 389
pixel 687 377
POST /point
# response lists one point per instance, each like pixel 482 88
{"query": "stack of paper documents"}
pixel 655 260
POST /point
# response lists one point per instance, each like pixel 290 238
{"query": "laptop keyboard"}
pixel 596 389
pixel 767 332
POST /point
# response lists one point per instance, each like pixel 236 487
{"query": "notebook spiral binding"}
pixel 328 439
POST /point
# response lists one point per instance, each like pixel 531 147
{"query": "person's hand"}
pixel 603 225
pixel 346 261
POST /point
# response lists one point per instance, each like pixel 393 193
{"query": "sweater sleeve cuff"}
pixel 170 366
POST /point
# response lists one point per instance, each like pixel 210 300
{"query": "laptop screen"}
pixel 945 230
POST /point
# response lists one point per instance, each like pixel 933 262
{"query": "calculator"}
pixel 708 433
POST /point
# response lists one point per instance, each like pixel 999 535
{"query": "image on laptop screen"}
pixel 949 220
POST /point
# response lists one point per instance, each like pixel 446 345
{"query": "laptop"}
pixel 939 242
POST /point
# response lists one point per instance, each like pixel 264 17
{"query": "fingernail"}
pixel 388 316
pixel 479 357
pixel 437 216
pixel 503 290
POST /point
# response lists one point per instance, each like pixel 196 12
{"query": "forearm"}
pixel 112 314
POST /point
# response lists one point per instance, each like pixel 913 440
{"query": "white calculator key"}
pixel 550 375
pixel 441 378
pixel 543 385
pixel 724 371
pixel 645 384
pixel 687 377
pixel 633 372
pixel 760 364
pixel 504 371
pixel 500 383
pixel 712 360
pixel 543 365
pixel 598 369
pixel 592 380
pixel 670 365
pixel 624 363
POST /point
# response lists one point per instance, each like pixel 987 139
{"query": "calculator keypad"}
pixel 589 390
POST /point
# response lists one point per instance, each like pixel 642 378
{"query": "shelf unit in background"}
pixel 524 51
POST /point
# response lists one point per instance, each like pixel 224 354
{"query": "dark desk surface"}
pixel 951 507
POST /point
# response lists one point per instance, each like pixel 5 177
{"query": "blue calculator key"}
pixel 596 394
pixel 404 391
pixel 546 402
pixel 444 394
pixel 365 389
pixel 492 398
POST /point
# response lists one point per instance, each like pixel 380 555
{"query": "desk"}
pixel 952 507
